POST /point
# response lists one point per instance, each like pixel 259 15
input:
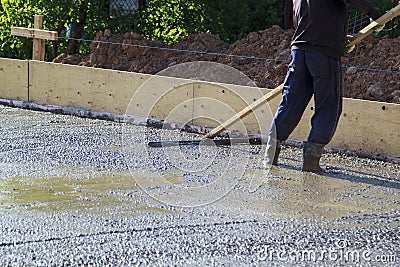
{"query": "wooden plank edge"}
pixel 34 33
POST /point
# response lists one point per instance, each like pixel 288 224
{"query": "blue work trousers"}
pixel 310 74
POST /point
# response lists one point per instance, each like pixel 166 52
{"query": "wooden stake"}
pixel 38 44
pixel 39 36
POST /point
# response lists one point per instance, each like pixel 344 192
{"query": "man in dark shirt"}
pixel 315 69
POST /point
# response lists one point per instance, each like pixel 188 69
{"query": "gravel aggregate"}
pixel 77 191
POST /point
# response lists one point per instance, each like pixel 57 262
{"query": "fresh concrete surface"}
pixel 76 191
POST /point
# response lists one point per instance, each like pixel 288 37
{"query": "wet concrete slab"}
pixel 76 191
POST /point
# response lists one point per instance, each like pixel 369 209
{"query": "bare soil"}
pixel 371 69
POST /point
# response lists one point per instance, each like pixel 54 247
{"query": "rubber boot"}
pixel 272 152
pixel 311 155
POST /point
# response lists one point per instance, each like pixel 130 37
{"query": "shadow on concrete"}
pixel 361 177
pixel 355 176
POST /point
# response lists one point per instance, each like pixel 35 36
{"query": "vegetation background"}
pixel 78 21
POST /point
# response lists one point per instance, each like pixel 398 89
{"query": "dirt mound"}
pixel 202 42
pixel 271 49
pixel 376 76
pixel 272 43
pixel 372 69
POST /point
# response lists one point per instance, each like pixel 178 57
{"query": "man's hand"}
pixel 349 48
pixel 377 28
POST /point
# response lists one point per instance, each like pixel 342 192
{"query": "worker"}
pixel 317 46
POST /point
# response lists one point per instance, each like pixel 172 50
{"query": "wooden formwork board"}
pixel 197 102
pixel 369 127
pixel 158 96
pixel 96 89
pixel 214 103
pixel 365 126
pixel 14 79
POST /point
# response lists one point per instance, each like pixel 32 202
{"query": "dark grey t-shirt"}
pixel 321 25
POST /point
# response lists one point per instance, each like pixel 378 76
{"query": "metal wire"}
pixel 180 50
pixel 222 54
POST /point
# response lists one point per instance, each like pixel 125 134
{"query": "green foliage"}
pixel 170 20
pixel 234 19
pixel 166 20
pixel 58 15
pixel 15 11
pixel 230 19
